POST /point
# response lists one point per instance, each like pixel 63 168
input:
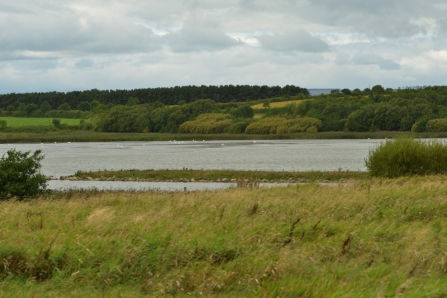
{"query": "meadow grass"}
pixel 370 238
pixel 214 175
pixel 24 121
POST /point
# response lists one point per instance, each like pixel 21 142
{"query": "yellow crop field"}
pixel 276 104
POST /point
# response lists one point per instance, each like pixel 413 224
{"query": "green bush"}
pixel 407 157
pixel 300 125
pixel 85 125
pixel 237 127
pixel 279 125
pixel 265 126
pixel 244 111
pixel 436 125
pixel 361 119
pixel 125 119
pixel 20 175
pixel 420 126
pixel 3 124
pixel 56 122
pixel 207 124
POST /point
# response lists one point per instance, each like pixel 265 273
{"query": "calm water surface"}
pixel 63 159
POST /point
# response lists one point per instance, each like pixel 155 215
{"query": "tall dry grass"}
pixel 372 238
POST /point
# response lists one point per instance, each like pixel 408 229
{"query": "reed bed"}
pixel 61 136
pixel 370 238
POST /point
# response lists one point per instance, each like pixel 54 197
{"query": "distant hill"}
pixel 314 92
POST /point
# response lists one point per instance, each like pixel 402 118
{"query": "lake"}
pixel 62 159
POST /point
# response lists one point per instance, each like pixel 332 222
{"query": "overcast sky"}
pixel 65 45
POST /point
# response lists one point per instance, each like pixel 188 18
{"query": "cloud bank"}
pixel 77 44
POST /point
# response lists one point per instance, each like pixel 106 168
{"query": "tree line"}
pixel 372 109
pixel 167 96
pixel 375 109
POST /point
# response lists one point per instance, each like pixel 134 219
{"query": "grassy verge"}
pixel 219 175
pixel 372 238
pixel 24 121
pixel 90 136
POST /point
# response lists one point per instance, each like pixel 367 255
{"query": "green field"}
pixel 19 121
pixel 368 238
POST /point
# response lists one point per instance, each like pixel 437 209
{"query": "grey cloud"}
pixel 296 41
pixel 35 64
pixel 373 59
pixel 60 39
pixel 200 36
pixel 381 26
pixel 74 32
pixel 342 59
pixel 84 63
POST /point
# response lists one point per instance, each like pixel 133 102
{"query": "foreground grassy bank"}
pixel 371 238
pixel 220 175
pixel 90 136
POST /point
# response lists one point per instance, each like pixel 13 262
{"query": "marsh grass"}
pixel 407 157
pixel 371 238
pixel 45 135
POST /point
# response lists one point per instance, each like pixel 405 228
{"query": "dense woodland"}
pixel 375 109
pixel 167 96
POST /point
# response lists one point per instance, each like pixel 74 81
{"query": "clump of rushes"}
pixel 407 157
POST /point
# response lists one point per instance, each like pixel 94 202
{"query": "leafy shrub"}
pixel 300 125
pixel 85 125
pixel 64 107
pixel 207 124
pixel 420 126
pixel 312 129
pixel 20 175
pixel 279 125
pixel 406 157
pixel 237 127
pixel 436 125
pixel 84 106
pixel 3 124
pixel 265 126
pixel 125 119
pixel 244 111
pixel 56 122
pixel 361 119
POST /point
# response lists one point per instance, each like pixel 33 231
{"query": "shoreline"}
pixel 88 136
